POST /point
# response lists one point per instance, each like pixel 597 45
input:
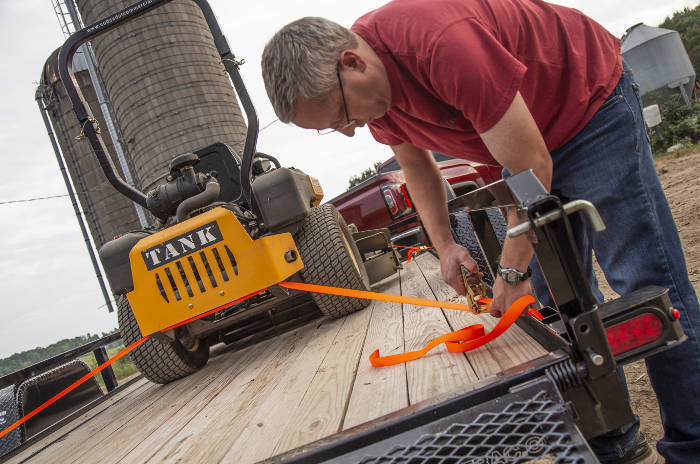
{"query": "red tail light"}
pixel 634 333
pixel 397 200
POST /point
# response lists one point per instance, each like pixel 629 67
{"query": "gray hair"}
pixel 300 61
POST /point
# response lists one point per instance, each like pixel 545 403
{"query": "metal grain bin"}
pixel 657 58
pixel 168 89
pixel 107 214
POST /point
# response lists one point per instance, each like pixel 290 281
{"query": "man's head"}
pixel 320 75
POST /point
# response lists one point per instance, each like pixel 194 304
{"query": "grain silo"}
pixel 168 89
pixel 107 214
pixel 658 59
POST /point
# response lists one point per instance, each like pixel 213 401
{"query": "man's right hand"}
pixel 451 257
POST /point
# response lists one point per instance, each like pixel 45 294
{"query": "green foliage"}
pixel 679 124
pixel 26 358
pixel 687 23
pixel 366 174
pixel 123 367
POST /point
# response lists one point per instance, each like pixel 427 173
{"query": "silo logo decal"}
pixel 182 245
pixel 117 16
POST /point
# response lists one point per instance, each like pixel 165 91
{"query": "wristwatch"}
pixel 513 276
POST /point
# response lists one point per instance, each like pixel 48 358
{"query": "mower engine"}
pixel 184 192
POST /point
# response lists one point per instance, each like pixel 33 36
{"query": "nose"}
pixel 348 131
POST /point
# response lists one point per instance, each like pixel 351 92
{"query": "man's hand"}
pixel 451 257
pixel 505 294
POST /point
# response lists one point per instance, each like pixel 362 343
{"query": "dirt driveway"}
pixel 679 177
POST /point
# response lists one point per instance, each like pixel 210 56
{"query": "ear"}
pixel 352 59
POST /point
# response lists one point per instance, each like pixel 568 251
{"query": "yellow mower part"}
pixel 203 263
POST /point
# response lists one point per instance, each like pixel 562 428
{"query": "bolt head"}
pixel 597 359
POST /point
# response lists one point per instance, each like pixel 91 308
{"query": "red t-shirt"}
pixel 456 65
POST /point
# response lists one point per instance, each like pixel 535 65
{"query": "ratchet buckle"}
pixel 475 291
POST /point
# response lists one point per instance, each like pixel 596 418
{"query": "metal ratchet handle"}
pixel 473 291
pixel 577 205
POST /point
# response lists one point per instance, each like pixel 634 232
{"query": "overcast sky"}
pixel 48 287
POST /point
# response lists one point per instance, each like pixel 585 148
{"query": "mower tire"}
pixel 463 233
pixel 331 258
pixel 159 361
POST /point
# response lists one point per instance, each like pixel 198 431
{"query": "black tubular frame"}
pixel 65 67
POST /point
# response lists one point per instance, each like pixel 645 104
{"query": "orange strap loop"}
pixel 459 341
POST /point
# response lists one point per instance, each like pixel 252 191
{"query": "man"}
pixel 528 85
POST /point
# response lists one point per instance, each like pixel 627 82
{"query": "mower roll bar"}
pixel 65 68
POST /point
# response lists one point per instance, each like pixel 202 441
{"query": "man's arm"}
pixel 517 144
pixel 424 182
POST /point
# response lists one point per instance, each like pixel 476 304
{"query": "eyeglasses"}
pixel 345 107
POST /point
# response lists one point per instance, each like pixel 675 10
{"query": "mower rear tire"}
pixel 463 233
pixel 159 361
pixel 331 258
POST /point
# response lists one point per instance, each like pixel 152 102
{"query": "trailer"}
pixel 310 394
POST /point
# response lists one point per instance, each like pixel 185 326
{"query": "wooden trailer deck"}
pixel 309 383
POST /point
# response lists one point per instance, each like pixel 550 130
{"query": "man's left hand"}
pixel 505 294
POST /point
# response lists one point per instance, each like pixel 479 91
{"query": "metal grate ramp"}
pixel 530 424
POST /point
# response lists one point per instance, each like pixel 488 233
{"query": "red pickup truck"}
pixel 384 200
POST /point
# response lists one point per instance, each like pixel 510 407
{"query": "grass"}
pixel 123 367
pixel 684 150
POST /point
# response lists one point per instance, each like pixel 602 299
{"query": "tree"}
pixel 366 174
pixel 687 23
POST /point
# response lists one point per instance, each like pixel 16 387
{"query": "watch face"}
pixel 512 276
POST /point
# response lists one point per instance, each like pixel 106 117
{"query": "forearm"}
pixel 425 185
pixel 516 143
pixel 517 252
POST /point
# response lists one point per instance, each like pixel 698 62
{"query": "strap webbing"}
pixel 459 341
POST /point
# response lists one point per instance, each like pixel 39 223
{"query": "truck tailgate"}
pixel 289 391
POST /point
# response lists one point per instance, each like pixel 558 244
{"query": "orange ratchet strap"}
pixel 462 340
pixel 459 341
pixel 381 296
pixel 413 250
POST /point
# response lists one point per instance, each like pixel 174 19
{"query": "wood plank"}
pixel 322 410
pixel 438 371
pixel 76 424
pixel 78 444
pixel 208 436
pixel 167 416
pixel 510 349
pixel 143 415
pixel 380 391
pixel 274 415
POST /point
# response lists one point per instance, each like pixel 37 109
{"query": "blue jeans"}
pixel 610 164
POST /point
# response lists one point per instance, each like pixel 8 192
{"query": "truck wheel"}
pixel 464 234
pixel 158 361
pixel 331 258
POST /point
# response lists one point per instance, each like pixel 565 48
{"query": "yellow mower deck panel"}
pixel 201 264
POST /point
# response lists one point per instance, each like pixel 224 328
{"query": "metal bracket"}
pixel 571 207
